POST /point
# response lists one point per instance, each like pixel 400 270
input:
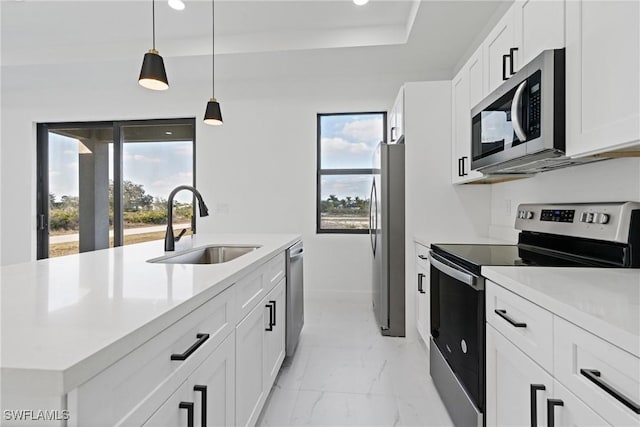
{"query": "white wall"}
pixel 263 156
pixel 606 181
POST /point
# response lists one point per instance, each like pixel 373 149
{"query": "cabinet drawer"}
pixel 256 285
pixel 124 392
pixel 274 271
pixel 525 324
pixel 578 353
pixel 421 256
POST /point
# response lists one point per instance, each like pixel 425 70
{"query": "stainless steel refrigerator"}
pixel 386 229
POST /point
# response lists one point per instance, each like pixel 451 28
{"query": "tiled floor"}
pixel 345 373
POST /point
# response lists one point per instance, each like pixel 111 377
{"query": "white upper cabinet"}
pixel 538 25
pixel 497 49
pixel 466 91
pixel 603 69
pixel 396 118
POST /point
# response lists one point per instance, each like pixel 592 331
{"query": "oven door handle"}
pixel 444 266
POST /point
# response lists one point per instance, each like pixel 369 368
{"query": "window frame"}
pixel 344 171
pixel 42 172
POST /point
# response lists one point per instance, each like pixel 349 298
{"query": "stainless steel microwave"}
pixel 520 127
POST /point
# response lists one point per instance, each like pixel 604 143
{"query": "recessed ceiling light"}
pixel 168 132
pixel 176 4
pixel 361 2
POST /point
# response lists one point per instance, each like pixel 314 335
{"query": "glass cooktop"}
pixel 472 257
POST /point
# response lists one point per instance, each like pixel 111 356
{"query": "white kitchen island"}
pixel 89 337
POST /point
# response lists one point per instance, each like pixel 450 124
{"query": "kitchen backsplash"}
pixel 606 181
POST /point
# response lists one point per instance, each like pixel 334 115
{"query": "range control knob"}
pixel 601 218
pixel 529 215
pixel 583 217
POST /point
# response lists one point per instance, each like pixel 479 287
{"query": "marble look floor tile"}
pixel 345 373
pixel 278 408
pixel 317 408
pixel 346 370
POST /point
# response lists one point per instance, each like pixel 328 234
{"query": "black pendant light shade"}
pixel 153 75
pixel 213 115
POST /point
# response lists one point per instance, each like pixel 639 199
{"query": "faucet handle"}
pixel 184 230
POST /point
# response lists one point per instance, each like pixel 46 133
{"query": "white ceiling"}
pixel 435 33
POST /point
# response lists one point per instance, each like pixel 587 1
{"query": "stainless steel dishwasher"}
pixel 295 296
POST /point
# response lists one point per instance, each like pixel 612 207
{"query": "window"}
pixel 105 184
pixel 346 145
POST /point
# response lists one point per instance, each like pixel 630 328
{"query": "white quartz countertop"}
pixel 65 319
pixel 604 301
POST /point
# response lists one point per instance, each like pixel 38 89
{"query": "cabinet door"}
pixel 539 25
pixel 170 414
pixel 462 92
pixel 423 308
pixel 498 43
pixel 217 374
pixel 249 376
pixel 603 65
pixel 510 376
pixel 274 340
pixel 573 411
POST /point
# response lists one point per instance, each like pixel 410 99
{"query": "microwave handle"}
pixel 515 112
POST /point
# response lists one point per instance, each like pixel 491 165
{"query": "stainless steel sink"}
pixel 214 254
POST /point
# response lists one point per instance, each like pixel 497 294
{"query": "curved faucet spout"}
pixel 169 238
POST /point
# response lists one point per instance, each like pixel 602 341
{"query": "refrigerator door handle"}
pixel 371 229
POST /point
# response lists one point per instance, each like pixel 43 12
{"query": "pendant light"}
pixel 213 115
pixel 153 75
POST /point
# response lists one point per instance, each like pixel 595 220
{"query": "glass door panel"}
pixel 79 172
pixel 156 158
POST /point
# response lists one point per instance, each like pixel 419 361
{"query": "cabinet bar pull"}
pixel 189 407
pixel 463 172
pixel 272 314
pixel 460 166
pixel 593 375
pixel 511 51
pixel 551 404
pixel 203 414
pixel 504 67
pixel 393 133
pixel 420 277
pixel 188 352
pixel 423 257
pixel 503 314
pixel 534 403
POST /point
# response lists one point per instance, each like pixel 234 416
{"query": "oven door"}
pixel 458 322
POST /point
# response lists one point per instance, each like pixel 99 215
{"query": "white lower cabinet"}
pixel 517 388
pixel 567 410
pixel 207 397
pixel 274 341
pixel 520 382
pixel 260 351
pixel 423 292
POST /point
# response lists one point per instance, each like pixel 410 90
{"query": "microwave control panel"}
pixel 533 103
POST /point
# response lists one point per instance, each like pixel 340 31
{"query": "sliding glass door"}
pixel 104 184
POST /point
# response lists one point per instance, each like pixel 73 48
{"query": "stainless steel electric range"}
pixel 598 235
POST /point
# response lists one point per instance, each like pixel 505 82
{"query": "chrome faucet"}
pixel 169 239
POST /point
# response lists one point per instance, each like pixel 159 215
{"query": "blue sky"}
pixel 348 141
pixel 159 167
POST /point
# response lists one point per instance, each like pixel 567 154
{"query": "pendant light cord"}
pixel 153 22
pixel 213 61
